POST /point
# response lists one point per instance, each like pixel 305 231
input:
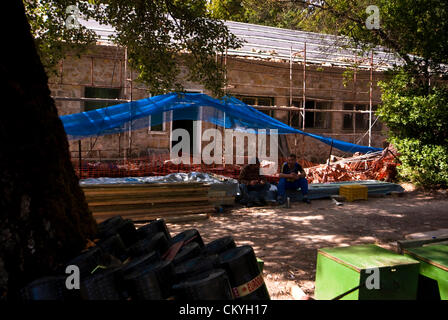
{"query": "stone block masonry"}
pixel 103 67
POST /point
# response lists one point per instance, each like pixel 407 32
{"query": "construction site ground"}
pixel 287 239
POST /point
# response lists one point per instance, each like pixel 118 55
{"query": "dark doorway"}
pixel 184 124
pixel 187 125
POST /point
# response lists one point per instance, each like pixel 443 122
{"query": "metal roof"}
pixel 274 44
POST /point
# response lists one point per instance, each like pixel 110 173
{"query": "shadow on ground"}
pixel 287 239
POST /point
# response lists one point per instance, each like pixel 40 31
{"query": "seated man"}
pixel 253 185
pixel 291 179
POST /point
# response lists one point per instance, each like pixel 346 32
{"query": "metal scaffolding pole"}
pixel 304 88
pixel 290 85
pixel 125 92
pixel 91 71
pixel 304 100
pixel 290 97
pixel 80 159
pixel 354 106
pixel 90 99
pixel 225 73
pixel 130 115
pixel 370 98
pixel 290 76
pixel 125 72
pixel 61 70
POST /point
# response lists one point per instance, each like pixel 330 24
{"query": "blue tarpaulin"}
pixel 227 112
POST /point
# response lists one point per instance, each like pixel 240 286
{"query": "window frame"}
pixel 296 104
pixel 116 96
pixel 256 98
pixel 315 103
pixel 151 130
pixel 365 117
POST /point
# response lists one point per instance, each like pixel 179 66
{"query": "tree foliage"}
pixel 233 10
pixel 282 14
pixel 414 102
pixel 160 37
pixel 415 99
pixel 417 31
pixel 53 40
pixel 418 122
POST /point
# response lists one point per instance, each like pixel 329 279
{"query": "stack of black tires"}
pixel 148 264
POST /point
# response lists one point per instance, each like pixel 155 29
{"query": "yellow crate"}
pixel 353 192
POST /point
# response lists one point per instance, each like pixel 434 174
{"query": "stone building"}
pixel 277 71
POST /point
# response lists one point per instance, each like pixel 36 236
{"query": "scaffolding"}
pixel 302 109
pixel 296 57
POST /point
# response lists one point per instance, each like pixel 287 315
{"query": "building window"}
pixel 315 119
pixel 360 120
pixel 258 101
pixel 156 122
pixel 105 93
pixel 295 119
pixel 348 117
pixel 377 126
pixel 265 101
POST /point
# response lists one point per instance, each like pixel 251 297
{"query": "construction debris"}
pixel 336 202
pixel 374 166
pixel 379 166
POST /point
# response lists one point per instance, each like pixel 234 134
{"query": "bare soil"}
pixel 287 239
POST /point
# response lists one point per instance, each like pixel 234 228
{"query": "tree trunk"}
pixel 44 218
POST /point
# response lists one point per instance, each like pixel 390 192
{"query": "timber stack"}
pixel 143 202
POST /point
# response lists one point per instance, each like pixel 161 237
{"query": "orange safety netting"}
pixel 379 167
pixel 159 165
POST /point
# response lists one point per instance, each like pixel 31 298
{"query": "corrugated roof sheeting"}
pixel 275 44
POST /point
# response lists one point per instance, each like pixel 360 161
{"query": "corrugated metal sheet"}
pixel 269 43
pixel 275 43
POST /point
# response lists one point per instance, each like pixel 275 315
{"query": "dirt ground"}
pixel 287 239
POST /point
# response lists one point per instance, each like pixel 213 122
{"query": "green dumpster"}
pixel 347 273
pixel 433 282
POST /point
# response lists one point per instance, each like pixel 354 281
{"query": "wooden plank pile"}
pixel 143 202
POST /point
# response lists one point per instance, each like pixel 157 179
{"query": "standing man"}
pixel 291 179
pixel 253 185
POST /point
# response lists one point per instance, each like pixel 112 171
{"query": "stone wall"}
pixel 103 66
pixel 323 84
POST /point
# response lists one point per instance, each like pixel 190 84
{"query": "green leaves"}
pixel 415 112
pixel 416 31
pixel 158 35
pixel 423 164
pixel 227 10
pixel 417 122
pixel 54 40
pixel 411 112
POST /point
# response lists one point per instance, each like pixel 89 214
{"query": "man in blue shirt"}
pixel 291 179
